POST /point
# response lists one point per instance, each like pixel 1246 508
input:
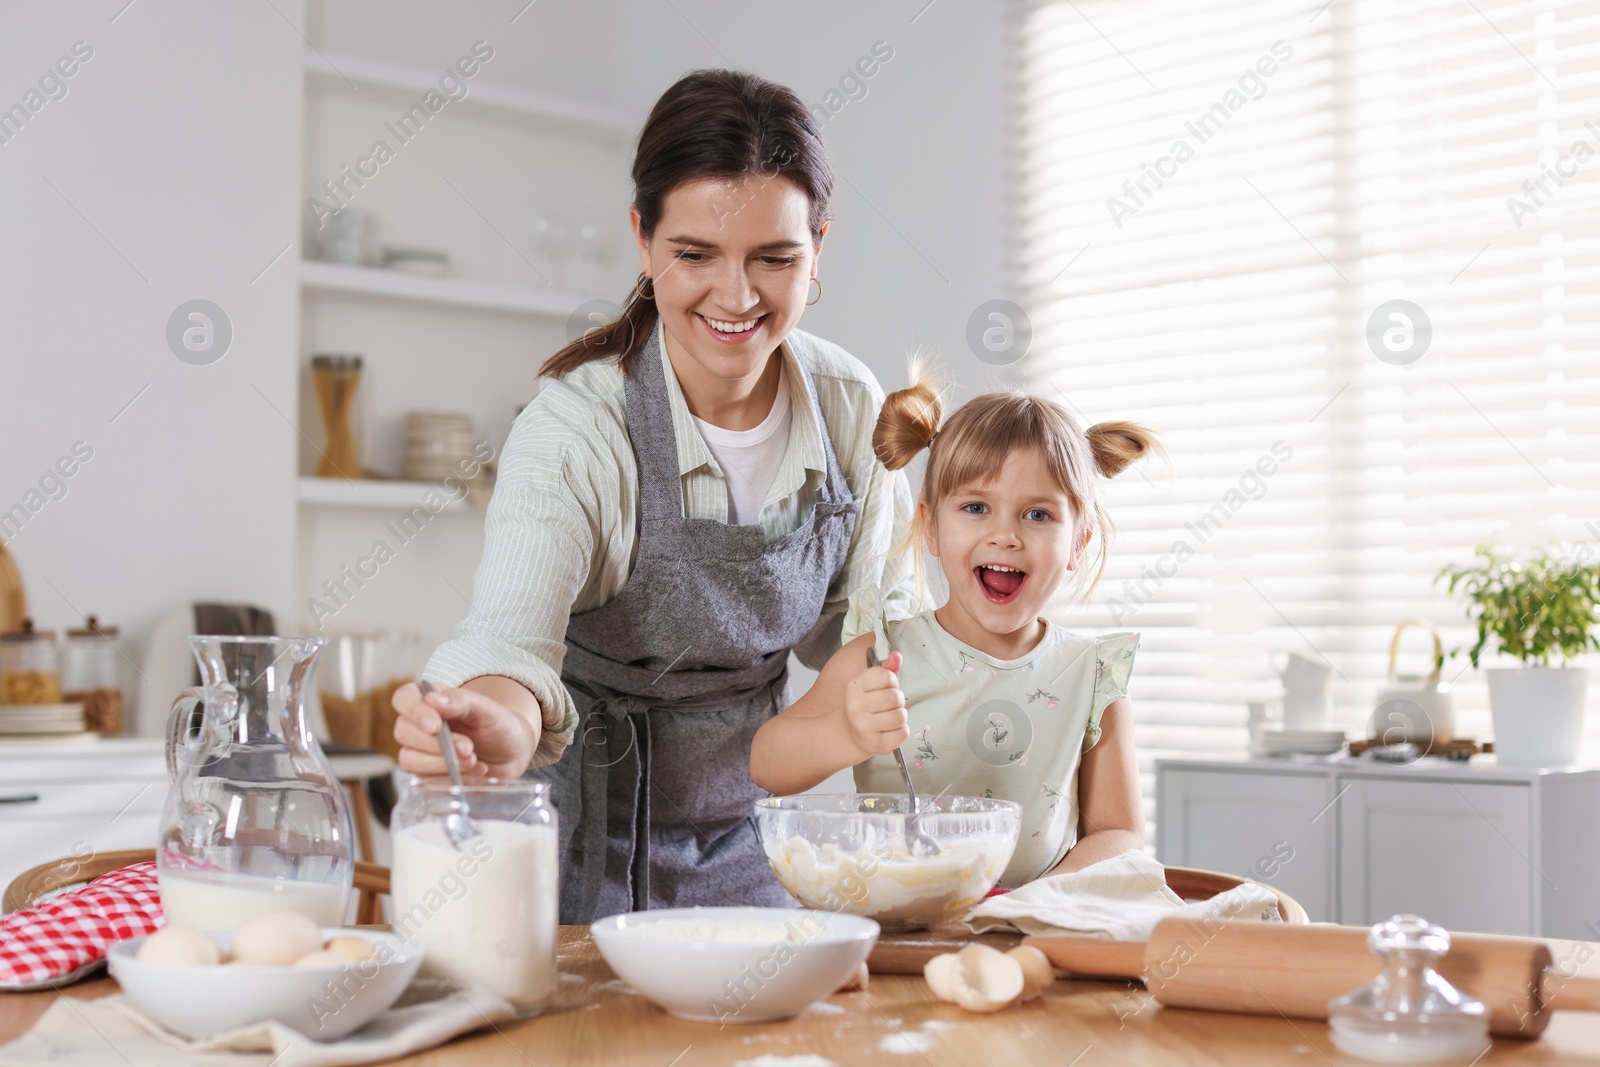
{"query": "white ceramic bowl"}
pixel 198 1001
pixel 722 975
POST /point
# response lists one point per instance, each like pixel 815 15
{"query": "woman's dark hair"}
pixel 711 124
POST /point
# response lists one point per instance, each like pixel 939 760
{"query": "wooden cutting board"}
pixel 907 953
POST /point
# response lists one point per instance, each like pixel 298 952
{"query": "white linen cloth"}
pixel 1118 899
pixel 94 1033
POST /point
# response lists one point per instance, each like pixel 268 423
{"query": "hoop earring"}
pixel 638 287
pixel 819 290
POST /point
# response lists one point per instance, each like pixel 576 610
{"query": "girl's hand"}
pixel 875 708
pixel 491 740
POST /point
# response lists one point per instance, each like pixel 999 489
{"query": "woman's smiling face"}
pixel 732 261
pixel 1005 546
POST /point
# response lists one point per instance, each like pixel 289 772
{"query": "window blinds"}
pixel 1215 199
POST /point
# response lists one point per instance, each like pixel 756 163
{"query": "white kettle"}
pixel 1414 707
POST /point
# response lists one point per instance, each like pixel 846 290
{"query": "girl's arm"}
pixel 851 714
pixel 1110 806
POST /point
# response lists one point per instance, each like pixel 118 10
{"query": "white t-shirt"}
pixel 750 458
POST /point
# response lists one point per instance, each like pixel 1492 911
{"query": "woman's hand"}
pixel 491 740
pixel 875 708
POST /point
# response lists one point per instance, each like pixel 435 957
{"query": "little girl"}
pixel 1003 703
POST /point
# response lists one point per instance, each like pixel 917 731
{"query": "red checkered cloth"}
pixel 65 937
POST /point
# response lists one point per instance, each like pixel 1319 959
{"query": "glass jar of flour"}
pixel 481 894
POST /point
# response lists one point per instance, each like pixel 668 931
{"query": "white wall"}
pixel 919 236
pixel 180 143
pixel 167 173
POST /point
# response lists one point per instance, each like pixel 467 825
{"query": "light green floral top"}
pixel 1009 729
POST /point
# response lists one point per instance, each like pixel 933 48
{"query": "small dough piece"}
pixel 943 975
pixel 857 982
pixel 1037 973
pixel 356 949
pixel 179 944
pixel 978 978
pixel 323 958
pixel 275 938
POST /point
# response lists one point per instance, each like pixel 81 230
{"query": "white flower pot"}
pixel 1538 715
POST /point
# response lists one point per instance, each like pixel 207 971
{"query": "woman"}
pixel 692 494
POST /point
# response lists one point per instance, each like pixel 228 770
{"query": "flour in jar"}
pixel 896 888
pixel 486 914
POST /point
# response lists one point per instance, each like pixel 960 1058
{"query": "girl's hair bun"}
pixel 1117 445
pixel 908 422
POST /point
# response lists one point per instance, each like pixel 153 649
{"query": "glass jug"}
pixel 255 820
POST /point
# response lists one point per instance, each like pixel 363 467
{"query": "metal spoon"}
pixel 920 842
pixel 458 827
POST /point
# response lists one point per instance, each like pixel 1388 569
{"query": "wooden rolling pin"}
pixel 1278 969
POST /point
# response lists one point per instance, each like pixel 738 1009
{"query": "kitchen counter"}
pixel 897 1021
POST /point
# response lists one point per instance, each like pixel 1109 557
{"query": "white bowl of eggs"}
pixel 324 982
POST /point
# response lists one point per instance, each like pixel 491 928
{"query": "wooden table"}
pixel 897 1022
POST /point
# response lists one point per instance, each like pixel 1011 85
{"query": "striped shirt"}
pixel 562 527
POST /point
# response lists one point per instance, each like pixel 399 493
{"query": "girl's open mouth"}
pixel 731 333
pixel 1000 584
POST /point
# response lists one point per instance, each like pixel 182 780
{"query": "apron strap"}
pixel 655 442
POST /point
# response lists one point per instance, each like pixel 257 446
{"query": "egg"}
pixel 323 958
pixel 275 938
pixel 178 944
pixel 354 949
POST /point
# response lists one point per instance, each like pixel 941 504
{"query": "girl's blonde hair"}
pixel 972 446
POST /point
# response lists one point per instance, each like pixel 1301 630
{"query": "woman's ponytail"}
pixel 1118 445
pixel 908 422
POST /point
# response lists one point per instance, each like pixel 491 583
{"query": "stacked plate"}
pixel 1308 742
pixel 27 720
pixel 437 444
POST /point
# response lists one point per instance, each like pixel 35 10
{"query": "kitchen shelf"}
pixel 374 79
pixel 318 277
pixel 369 493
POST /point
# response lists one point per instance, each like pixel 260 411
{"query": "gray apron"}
pixel 673 677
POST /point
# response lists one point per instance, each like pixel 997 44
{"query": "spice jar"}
pixel 336 379
pixel 91 675
pixel 484 905
pixel 28 669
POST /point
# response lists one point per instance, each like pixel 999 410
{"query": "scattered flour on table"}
pixel 905 1042
pixel 822 1007
pixel 769 1060
pixel 913 1040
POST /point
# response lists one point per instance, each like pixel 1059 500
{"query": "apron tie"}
pixel 606 716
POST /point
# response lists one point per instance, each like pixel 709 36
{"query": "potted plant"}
pixel 1534 609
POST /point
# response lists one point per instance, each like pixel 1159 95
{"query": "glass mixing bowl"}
pixel 847 852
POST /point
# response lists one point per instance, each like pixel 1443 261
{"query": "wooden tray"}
pixel 1460 748
pixel 907 953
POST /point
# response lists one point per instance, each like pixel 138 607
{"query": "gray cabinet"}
pixel 1268 826
pixel 1468 845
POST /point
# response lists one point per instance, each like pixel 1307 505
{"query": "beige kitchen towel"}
pixel 95 1033
pixel 1119 899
